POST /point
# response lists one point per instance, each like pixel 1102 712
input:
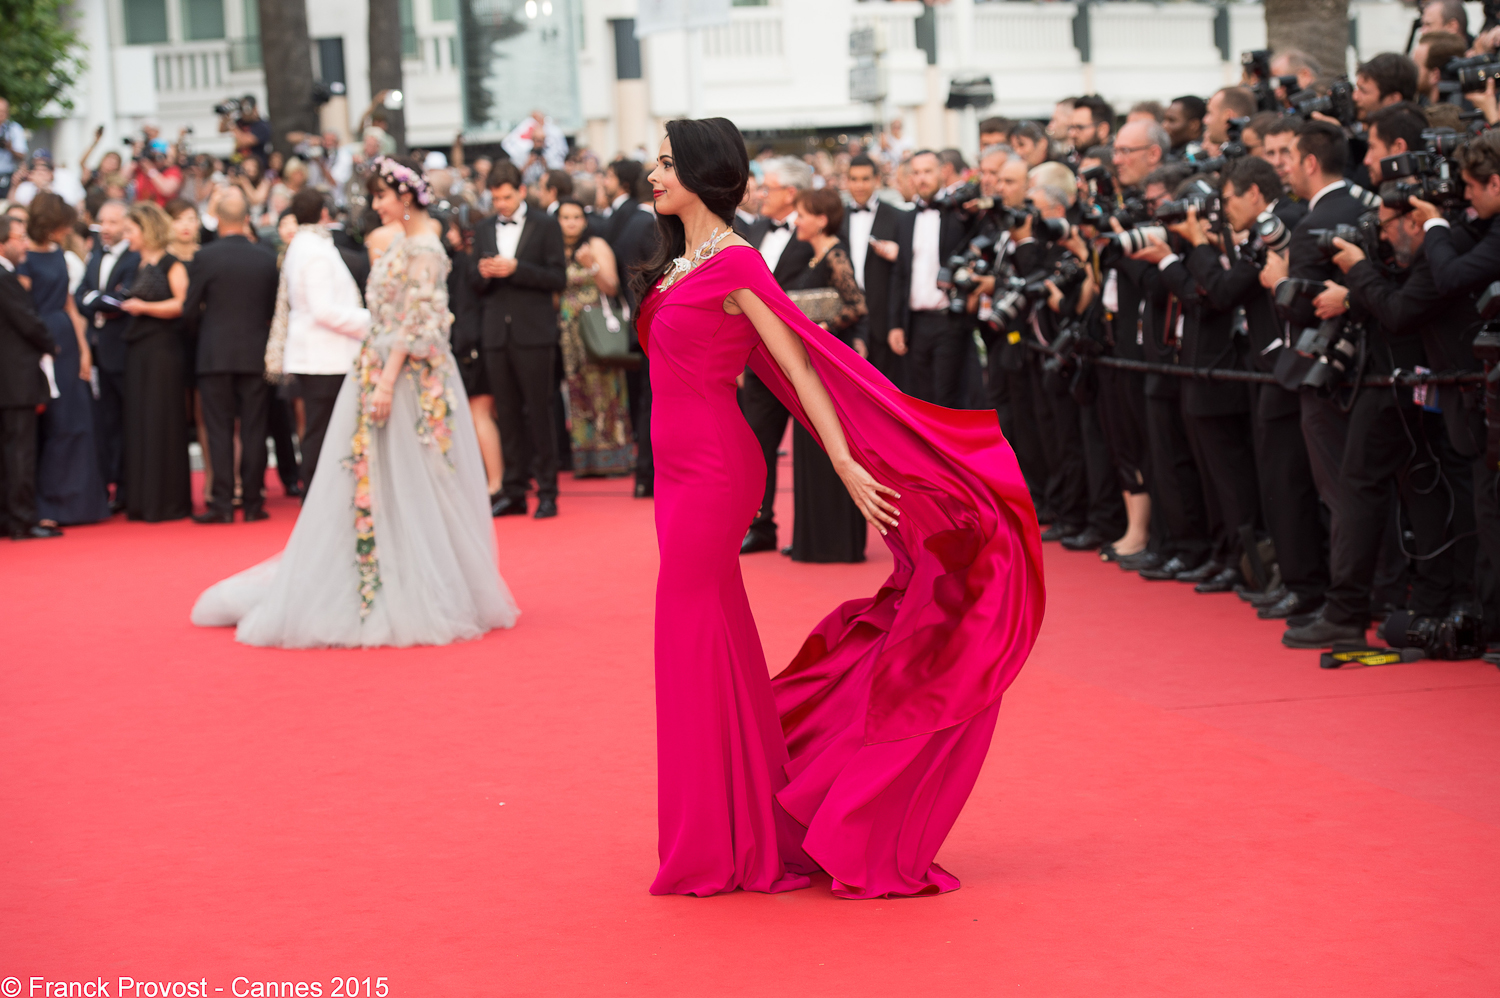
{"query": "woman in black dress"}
pixel 157 476
pixel 828 526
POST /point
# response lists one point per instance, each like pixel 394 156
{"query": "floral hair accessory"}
pixel 400 178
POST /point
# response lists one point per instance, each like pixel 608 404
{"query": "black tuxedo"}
pixel 23 387
pixel 231 298
pixel 887 287
pixel 105 339
pixel 519 332
pixel 763 410
pixel 1306 261
pixel 937 341
pixel 106 331
pixel 356 257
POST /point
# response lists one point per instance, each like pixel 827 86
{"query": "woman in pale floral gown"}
pixel 395 544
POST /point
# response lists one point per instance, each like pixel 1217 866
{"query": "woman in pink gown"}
pixel 859 756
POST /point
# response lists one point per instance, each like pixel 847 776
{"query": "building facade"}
pixel 778 65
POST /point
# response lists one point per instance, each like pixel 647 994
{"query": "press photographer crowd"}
pixel 1247 342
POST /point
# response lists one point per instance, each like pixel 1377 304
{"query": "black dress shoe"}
pixel 1202 573
pixel 293 491
pixel 1270 598
pixel 256 515
pixel 757 541
pixel 209 516
pixel 546 509
pixel 1058 531
pixel 1290 605
pixel 787 551
pixel 1321 633
pixel 1167 571
pixel 508 507
pixel 644 489
pixel 1303 619
pixel 1088 540
pixel 1224 582
pixel 116 506
pixel 36 532
pixel 1139 560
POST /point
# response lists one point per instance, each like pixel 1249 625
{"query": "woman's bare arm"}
pixel 786 348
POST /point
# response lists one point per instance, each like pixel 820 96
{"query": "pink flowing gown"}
pixel 859 756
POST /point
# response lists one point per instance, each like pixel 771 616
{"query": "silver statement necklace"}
pixel 683 265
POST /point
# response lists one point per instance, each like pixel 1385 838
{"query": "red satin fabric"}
pixel 888 709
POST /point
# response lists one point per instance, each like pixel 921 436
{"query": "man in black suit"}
pixel 1315 173
pixel 23 390
pixel 775 236
pixel 879 239
pixel 230 301
pixel 355 256
pixel 630 231
pixel 520 262
pixel 110 273
pixel 935 338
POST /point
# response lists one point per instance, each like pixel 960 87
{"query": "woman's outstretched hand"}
pixel 866 493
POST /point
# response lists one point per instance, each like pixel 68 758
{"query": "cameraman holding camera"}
pixel 1217 416
pixel 1462 267
pixel 252 133
pixel 935 336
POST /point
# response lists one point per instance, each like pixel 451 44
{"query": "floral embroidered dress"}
pixel 395 544
pixel 598 407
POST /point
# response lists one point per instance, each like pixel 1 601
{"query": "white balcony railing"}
pixel 191 67
pixel 752 34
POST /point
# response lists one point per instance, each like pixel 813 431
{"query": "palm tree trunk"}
pixel 286 55
pixel 385 62
pixel 1318 27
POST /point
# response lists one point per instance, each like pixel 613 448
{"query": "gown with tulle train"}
pixel 859 756
pixel 395 544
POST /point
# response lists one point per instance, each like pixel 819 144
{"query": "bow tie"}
pixel 507 221
pixel 857 208
pixel 780 226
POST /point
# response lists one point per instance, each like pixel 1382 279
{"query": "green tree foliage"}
pixel 38 58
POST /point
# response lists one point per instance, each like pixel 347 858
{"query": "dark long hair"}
pixel 711 161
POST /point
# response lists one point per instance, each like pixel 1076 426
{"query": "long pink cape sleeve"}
pixel 957 618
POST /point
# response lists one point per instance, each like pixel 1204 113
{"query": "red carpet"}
pixel 1174 805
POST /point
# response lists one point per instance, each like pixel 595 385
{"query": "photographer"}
pixel 936 336
pixel 1314 171
pixel 1252 194
pixel 1217 416
pixel 1176 485
pixel 1081 488
pixel 1461 267
pixel 252 133
pixel 1393 437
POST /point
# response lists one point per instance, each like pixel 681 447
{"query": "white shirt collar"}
pixel 5 262
pixel 1313 201
pixel 619 200
pixel 519 216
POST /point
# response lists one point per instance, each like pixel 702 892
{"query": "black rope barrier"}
pixel 1402 378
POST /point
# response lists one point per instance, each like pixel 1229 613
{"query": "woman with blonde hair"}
pixel 156 473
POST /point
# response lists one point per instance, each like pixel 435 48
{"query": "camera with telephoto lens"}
pixel 1202 197
pixel 959 197
pixel 1472 73
pixel 961 273
pixel 1100 195
pixel 1268 234
pixel 1135 240
pixel 1332 349
pixel 232 106
pixel 1066 274
pixel 1070 345
pixel 1458 636
pixel 1425 173
pixel 1338 103
pixel 1232 149
pixel 1324 238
